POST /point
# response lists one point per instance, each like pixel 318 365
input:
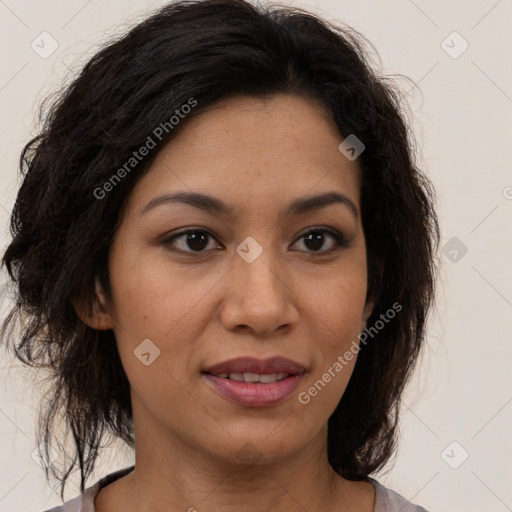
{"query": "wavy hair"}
pixel 61 233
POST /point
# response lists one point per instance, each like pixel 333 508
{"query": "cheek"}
pixel 337 308
pixel 150 296
pixel 156 301
pixel 335 311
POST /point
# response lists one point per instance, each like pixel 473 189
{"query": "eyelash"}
pixel 340 241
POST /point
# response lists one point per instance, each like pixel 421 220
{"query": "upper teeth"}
pixel 254 377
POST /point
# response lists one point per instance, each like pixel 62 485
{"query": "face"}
pixel 252 278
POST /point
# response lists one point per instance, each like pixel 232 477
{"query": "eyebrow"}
pixel 214 205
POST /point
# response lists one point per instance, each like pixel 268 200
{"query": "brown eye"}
pixel 192 240
pixel 315 238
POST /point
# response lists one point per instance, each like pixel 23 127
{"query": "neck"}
pixel 171 475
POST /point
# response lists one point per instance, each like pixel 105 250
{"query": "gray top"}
pixel 386 500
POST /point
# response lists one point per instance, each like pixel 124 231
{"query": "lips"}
pixel 253 382
pixel 252 365
pixel 265 378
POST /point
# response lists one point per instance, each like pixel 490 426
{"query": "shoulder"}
pixel 85 501
pixel 82 503
pixel 387 500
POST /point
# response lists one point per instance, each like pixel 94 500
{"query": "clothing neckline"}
pixel 91 492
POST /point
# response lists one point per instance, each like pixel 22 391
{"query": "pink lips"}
pixel 253 365
pixel 255 394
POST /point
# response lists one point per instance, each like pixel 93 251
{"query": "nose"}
pixel 259 297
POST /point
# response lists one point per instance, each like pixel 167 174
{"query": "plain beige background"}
pixel 460 403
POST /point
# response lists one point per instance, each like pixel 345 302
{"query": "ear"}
pixel 99 317
pixel 368 309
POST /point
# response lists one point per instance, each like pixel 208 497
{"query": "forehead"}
pixel 253 152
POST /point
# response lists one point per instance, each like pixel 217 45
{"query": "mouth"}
pixel 264 378
pixel 253 382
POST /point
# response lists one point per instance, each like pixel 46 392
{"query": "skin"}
pixel 200 308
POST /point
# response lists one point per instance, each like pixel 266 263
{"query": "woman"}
pixel 226 257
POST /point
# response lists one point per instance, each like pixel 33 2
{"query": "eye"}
pixel 315 237
pixel 194 239
pixel 197 241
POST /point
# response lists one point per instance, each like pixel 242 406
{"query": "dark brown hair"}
pixel 210 50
